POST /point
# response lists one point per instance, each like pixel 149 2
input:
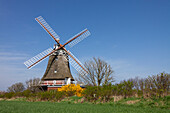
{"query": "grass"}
pixel 141 102
pixel 45 107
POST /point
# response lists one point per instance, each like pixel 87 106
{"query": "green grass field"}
pixel 49 107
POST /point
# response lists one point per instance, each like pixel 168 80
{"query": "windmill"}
pixel 58 72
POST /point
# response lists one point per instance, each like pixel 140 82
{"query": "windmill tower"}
pixel 58 72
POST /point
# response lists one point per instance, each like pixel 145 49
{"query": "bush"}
pixel 9 95
pixel 91 93
pixel 52 95
pixel 27 93
pixel 18 94
pixel 2 94
pixel 71 90
pixel 94 93
pixel 106 92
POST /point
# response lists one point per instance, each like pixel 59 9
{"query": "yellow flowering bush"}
pixel 72 89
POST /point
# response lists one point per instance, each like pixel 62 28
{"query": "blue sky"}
pixel 131 35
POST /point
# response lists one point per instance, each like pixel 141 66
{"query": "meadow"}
pixel 67 107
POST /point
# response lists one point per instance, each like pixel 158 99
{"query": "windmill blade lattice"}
pixel 80 38
pixel 46 25
pixel 33 60
pixel 80 70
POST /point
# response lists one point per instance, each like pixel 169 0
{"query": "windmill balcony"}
pixel 55 83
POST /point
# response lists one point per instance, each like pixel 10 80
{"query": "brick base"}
pixel 52 88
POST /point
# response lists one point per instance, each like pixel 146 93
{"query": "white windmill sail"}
pixel 79 69
pixel 80 38
pixel 42 22
pixel 36 58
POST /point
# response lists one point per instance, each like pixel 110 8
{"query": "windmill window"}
pixel 55 71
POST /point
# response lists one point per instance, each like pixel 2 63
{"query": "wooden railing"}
pixel 55 82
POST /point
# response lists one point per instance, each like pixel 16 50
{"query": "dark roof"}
pixel 58 68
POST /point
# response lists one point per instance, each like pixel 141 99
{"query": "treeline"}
pixel 156 86
pixel 153 86
pixel 31 84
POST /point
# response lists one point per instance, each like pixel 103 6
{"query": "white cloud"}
pixel 9 58
pixel 13 70
pixel 12 56
pixel 12 53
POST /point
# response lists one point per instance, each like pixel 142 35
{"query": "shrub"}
pixel 91 93
pixel 26 93
pixel 71 90
pixel 106 92
pixel 18 94
pixel 2 94
pixel 51 95
pixel 9 95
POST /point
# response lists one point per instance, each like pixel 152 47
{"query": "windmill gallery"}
pixel 58 73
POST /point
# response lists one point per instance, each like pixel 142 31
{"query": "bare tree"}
pixel 33 84
pixel 99 73
pixel 17 87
